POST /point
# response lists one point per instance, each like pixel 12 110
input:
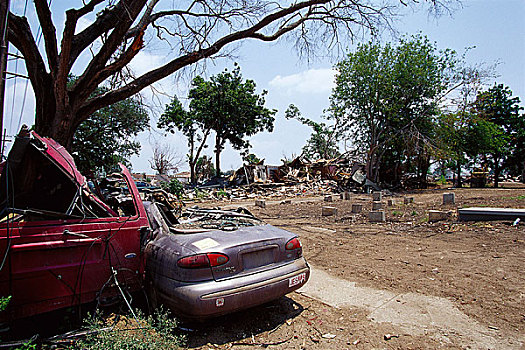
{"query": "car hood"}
pixel 40 175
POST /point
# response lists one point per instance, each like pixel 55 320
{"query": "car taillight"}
pixel 294 243
pixel 217 259
pixel 203 260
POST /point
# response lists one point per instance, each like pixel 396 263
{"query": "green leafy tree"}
pixel 193 31
pixel 231 108
pixel 252 159
pixel 174 187
pixel 322 144
pixel 227 105
pixel 174 118
pixel 460 135
pixel 502 122
pixel 105 138
pixel 386 100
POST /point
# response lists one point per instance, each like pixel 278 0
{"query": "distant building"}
pixel 183 177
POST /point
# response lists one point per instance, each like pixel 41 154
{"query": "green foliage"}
pixel 322 144
pixel 174 187
pixel 156 331
pixel 204 168
pixel 251 159
pixel 226 104
pixel 221 194
pixel 4 301
pixel 500 130
pixel 199 194
pixel 27 346
pixel 386 98
pixel 520 198
pixel 105 138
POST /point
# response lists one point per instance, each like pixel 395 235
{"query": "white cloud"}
pixel 312 81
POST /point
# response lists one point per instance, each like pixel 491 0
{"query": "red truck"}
pixel 61 245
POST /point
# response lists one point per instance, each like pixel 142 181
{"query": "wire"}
pixel 14 82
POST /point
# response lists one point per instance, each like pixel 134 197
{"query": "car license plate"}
pixel 293 281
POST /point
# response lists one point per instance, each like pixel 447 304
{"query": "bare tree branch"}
pixel 49 32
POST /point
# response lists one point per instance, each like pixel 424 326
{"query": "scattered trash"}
pixel 329 336
pixel 516 222
pixel 390 336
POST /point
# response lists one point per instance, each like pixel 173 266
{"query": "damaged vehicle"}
pixel 211 262
pixel 61 245
pixel 66 241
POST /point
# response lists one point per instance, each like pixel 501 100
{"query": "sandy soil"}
pixel 478 266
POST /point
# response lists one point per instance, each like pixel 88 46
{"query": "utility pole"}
pixel 4 46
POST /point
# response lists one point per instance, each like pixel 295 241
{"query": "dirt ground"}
pixel 478 266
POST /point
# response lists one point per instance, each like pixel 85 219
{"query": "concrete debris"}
pixel 437 215
pixel 376 196
pixel 345 196
pixel 408 200
pixel 488 214
pixel 357 208
pixel 449 198
pixel 329 211
pixel 376 216
pixel 377 206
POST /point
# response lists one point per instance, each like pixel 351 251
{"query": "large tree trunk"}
pixel 192 172
pixel 459 184
pixel 60 122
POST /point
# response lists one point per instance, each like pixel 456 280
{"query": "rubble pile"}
pixel 294 178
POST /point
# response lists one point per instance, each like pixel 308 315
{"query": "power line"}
pixel 15 78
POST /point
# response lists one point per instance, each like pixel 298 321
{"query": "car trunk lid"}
pixel 246 251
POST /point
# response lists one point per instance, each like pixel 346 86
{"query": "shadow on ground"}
pixel 241 325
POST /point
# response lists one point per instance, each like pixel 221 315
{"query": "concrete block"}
pixel 357 208
pixel 260 203
pixel 437 215
pixel 376 216
pixel 328 199
pixel 391 203
pixel 377 206
pixel 449 198
pixel 345 196
pixel 377 196
pixel 329 211
pixel 408 200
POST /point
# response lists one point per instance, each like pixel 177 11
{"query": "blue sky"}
pixel 495 28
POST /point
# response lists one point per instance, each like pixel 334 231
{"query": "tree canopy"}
pixel 227 105
pixel 501 128
pixel 386 100
pixel 105 138
pixel 118 31
pixel 323 142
